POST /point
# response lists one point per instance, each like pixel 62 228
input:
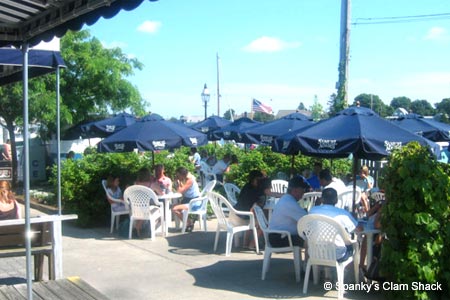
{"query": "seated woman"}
pixel 366 184
pixel 9 208
pixel 114 191
pixel 250 192
pixel 161 183
pixel 186 185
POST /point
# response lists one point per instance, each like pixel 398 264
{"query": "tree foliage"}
pixel 95 81
pixel 416 220
pixel 422 107
pixel 401 102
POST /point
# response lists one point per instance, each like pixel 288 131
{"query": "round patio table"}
pixel 167 199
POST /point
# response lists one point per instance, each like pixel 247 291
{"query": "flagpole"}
pixel 218 89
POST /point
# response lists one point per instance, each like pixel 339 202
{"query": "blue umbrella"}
pixel 355 130
pixel 428 128
pixel 209 125
pixel 152 133
pixel 109 126
pixel 265 134
pixel 236 131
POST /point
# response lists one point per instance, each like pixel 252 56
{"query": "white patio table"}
pixel 167 199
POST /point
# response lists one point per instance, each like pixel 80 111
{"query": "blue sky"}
pixel 279 52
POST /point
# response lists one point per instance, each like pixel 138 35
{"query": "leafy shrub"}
pixel 81 190
pixel 416 222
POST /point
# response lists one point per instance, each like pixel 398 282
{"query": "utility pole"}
pixel 344 39
pixel 218 88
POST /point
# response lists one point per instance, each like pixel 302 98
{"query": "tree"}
pixel 95 79
pixel 401 102
pixel 229 114
pixel 262 117
pixel 93 83
pixel 301 106
pixel 443 108
pixel 317 110
pixel 375 103
pixel 422 107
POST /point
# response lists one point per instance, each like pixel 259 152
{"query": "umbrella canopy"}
pixel 265 134
pixel 355 130
pixel 236 131
pixel 40 62
pixel 428 128
pixel 211 124
pixel 152 133
pixel 109 126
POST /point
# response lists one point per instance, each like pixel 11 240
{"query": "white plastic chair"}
pixel 378 196
pixel 279 186
pixel 268 250
pixel 321 234
pixel 115 214
pixel 309 200
pixel 199 206
pixel 345 199
pixel 207 173
pixel 232 192
pixel 223 223
pixel 139 198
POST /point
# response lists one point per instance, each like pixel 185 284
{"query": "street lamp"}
pixel 205 98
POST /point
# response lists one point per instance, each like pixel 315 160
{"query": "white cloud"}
pixel 149 26
pixel 114 44
pixel 437 34
pixel 270 44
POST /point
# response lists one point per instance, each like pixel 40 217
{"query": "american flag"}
pixel 259 106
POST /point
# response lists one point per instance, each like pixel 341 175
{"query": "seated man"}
pixel 286 214
pixel 221 166
pixel 328 181
pixel 342 216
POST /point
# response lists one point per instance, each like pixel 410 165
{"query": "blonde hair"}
pixel 6 195
pixel 365 170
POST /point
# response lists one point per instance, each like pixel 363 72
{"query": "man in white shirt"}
pixel 287 212
pixel 328 181
pixel 342 216
pixel 221 166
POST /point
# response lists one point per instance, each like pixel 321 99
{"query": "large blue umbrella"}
pixel 236 131
pixel 209 125
pixel 108 126
pixel 152 133
pixel 265 134
pixel 428 128
pixel 355 130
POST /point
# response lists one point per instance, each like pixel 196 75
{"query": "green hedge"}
pixel 81 179
pixel 416 222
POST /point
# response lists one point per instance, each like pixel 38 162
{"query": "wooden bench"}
pixel 45 239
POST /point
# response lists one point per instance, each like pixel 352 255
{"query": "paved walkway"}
pixel 181 266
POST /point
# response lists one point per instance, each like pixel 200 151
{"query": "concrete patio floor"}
pixel 180 266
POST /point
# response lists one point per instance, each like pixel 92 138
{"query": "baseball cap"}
pixel 298 182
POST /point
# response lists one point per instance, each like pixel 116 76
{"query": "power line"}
pixel 400 19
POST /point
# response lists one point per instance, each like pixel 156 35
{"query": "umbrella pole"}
pixel 292 165
pixel 355 167
pixel 153 159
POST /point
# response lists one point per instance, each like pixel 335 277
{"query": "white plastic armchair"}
pixel 115 213
pixel 322 233
pixel 268 250
pixel 378 196
pixel 207 173
pixel 345 199
pixel 140 198
pixel 279 186
pixel 232 192
pixel 198 206
pixel 309 200
pixel 223 223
